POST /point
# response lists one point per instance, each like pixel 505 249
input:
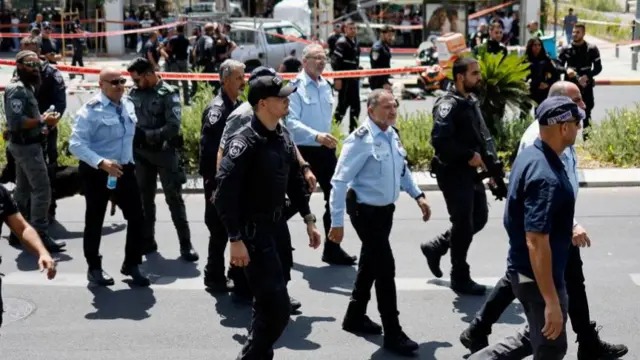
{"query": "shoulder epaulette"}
pixel 93 102
pixel 362 131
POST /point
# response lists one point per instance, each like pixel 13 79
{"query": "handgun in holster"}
pixel 352 203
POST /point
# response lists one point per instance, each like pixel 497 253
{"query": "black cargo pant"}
pixel 97 196
pixel 377 264
pixel 218 239
pixel 271 304
pixel 466 203
pixel 531 338
pixel 349 97
pixel 589 102
pixel 502 296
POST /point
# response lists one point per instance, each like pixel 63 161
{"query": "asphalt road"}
pixel 64 319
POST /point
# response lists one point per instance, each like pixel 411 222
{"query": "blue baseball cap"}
pixel 558 110
pixel 262 71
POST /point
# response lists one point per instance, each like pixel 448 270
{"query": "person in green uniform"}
pixel 25 127
pixel 157 144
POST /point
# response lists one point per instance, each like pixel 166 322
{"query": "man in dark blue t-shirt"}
pixel 539 221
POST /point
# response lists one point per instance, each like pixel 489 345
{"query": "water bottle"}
pixel 112 181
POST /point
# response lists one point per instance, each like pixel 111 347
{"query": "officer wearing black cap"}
pixel 333 39
pixel 538 218
pixel 258 168
pixel 346 56
pixel 380 57
pixel 48 46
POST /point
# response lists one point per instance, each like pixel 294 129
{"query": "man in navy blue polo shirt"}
pixel 539 221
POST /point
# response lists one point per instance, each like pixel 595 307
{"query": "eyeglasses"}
pixel 116 82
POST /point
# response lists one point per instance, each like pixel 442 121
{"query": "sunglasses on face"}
pixel 116 82
pixel 32 64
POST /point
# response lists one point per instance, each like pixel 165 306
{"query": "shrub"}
pixel 616 140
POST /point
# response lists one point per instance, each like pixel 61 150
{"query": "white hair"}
pixel 374 97
pixel 307 49
pixel 228 66
pixel 560 88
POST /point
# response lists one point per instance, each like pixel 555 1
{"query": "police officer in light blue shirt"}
pixel 373 165
pixel 309 121
pixel 102 139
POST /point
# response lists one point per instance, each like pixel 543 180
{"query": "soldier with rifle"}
pixel 462 145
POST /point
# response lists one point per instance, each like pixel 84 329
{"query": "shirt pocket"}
pixel 380 157
pixel 110 127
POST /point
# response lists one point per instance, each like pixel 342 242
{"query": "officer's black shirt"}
pixel 8 206
pixel 258 168
pixel 214 119
pixel 179 45
pixel 346 55
pixel 331 42
pixel 540 199
pixel 220 47
pixel 52 90
pixel 79 44
pixel 48 46
pixel 493 47
pixel 584 59
pixel 454 134
pixel 380 57
pixel 291 64
pixel 205 50
pixel 152 47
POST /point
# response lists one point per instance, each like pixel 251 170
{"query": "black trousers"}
pixel 467 206
pixel 349 97
pixel 271 305
pixel 502 296
pixel 97 196
pixel 323 163
pixel 589 102
pixel 218 239
pixel 377 264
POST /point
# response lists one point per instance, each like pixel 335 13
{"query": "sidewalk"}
pixel 592 178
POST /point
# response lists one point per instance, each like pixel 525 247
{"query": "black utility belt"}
pixel 20 139
pixel 266 217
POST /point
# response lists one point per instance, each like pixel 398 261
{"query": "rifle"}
pixel 494 168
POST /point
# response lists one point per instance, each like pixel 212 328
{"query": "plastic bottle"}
pixel 112 180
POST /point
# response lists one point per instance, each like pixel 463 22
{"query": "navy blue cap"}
pixel 262 71
pixel 558 110
pixel 46 25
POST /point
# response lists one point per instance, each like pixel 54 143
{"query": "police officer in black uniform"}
pixel 580 62
pixel 258 168
pixel 333 39
pixel 494 44
pixel 79 46
pixel 206 52
pixel 346 56
pixel 214 119
pixel 457 120
pixel 27 235
pixel 380 57
pixel 178 46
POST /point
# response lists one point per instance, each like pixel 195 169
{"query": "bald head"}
pixel 568 89
pixel 109 73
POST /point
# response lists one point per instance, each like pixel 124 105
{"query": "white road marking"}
pixel 635 278
pixel 34 278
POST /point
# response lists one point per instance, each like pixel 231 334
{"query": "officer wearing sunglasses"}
pixel 25 124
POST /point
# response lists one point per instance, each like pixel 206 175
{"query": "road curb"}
pixel 589 178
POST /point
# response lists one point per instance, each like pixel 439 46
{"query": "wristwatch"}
pixel 310 219
pixel 421 196
pixel 234 239
pixel 304 167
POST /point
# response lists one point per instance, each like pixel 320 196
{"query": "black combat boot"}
pixel 216 282
pixel 462 284
pixel 590 347
pixel 395 340
pixel 54 246
pixel 356 320
pixel 335 255
pixel 187 252
pixel 434 250
pixel 473 338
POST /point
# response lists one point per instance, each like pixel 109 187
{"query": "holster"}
pixel 352 203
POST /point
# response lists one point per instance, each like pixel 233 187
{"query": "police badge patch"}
pixel 375 54
pixel 176 98
pixel 214 116
pixel 444 109
pixel 16 106
pixel 177 111
pixel 236 148
pixel 58 77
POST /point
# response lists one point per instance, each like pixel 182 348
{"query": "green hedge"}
pixel 615 141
